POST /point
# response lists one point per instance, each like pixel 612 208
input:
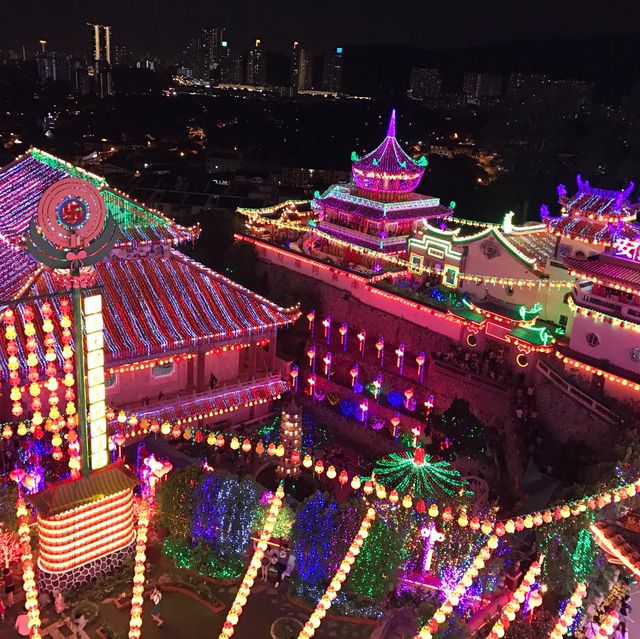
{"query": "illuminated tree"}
pixel 10 549
pixel 175 501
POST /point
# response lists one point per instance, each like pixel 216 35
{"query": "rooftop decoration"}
pixel 388 168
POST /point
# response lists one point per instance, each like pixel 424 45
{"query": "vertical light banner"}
pixel 95 381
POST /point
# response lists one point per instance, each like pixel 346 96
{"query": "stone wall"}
pixel 72 579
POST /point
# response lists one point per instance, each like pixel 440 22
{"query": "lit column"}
pixel 98 453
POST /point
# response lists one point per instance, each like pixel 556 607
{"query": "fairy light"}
pixel 432 626
pixel 597 371
pixel 252 571
pixel 339 578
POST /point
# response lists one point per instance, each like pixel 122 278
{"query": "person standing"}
pixel 621 631
pixel 592 628
pixel 2 610
pixel 22 624
pixel 9 585
pixel 156 598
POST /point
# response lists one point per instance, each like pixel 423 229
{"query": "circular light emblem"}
pixel 72 212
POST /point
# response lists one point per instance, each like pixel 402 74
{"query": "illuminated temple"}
pixel 201 346
pixel 168 341
pixel 562 291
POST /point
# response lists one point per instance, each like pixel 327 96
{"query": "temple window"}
pixel 634 354
pixel 162 370
pixel 592 339
pixel 110 380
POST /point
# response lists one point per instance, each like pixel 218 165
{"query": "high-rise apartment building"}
pixel 100 68
pixel 208 50
pixel 332 70
pixel 257 65
pixel 424 83
pixel 300 69
pixel 230 66
pixel 481 85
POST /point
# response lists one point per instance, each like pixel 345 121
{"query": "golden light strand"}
pixel 137 599
pixel 28 573
pixel 331 592
pixel 569 613
pixel 252 571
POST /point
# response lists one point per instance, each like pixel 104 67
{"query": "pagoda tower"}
pixel 365 225
pixel 290 438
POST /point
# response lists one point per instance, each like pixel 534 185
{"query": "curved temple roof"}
pixel 388 168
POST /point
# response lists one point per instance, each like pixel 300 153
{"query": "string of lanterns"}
pixel 569 613
pixel 501 528
pixel 28 573
pixel 339 578
pixel 252 571
pixel 137 597
pixel 446 608
pixel 516 600
pixel 597 371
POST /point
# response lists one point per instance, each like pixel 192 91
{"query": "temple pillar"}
pixel 201 381
pixel 190 373
pixel 252 358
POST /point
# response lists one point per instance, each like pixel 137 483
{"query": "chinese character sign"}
pixel 627 248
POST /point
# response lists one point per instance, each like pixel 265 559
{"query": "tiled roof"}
pixel 601 203
pixel 23 182
pixel 591 230
pixel 617 271
pixel 169 302
pixel 69 494
pixel 216 401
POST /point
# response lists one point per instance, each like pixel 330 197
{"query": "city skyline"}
pixel 169 26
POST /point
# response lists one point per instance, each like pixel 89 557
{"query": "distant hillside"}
pixel 608 61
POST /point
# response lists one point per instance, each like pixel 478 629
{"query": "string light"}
pixel 569 612
pixel 28 574
pixel 137 598
pixel 252 571
pixel 339 578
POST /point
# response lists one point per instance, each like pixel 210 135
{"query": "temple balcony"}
pixel 226 397
pixel 395 243
pixel 611 304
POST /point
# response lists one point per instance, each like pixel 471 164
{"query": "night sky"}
pixel 163 27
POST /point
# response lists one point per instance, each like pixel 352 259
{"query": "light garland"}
pixel 570 612
pixel 339 578
pixel 28 574
pixel 137 598
pixel 597 371
pixel 517 598
pixel 446 608
pixel 256 561
pixel 600 316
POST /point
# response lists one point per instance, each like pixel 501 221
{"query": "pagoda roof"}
pixel 516 313
pixel 592 231
pixel 157 304
pixel 344 197
pixel 71 494
pixel 607 269
pixel 535 335
pixel 23 181
pixel 388 168
pixel 599 204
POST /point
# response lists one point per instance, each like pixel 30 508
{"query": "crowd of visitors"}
pixel 527 417
pixel 489 363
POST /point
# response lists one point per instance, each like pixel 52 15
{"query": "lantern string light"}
pixel 137 597
pixel 256 560
pixel 339 578
pixel 569 612
pixel 28 574
pixel 432 626
pixel 516 599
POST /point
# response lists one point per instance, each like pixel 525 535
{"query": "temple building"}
pixel 364 225
pixel 182 343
